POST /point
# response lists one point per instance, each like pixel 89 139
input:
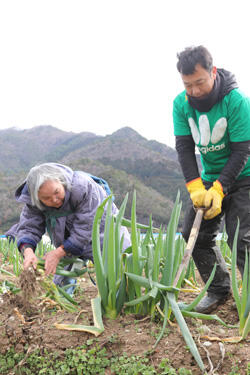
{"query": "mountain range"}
pixel 127 160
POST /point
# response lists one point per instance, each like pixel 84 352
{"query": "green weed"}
pixel 84 360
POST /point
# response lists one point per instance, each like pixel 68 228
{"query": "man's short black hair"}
pixel 192 56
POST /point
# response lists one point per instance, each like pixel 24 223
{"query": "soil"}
pixel 26 320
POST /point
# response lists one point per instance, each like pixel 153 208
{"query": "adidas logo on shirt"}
pixel 203 136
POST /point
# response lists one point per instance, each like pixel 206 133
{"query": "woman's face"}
pixel 52 194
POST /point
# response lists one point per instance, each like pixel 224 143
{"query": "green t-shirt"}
pixel 227 121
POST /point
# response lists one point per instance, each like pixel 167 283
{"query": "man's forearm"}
pixel 235 164
pixel 185 148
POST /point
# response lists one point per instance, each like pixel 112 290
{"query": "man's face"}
pixel 200 83
pixel 52 194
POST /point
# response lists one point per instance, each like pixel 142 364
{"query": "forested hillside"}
pixel 125 159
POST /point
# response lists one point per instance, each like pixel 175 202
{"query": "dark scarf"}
pixel 223 84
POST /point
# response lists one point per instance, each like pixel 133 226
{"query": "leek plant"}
pixel 242 301
pixel 225 249
pixel 190 277
pixel 137 261
pixel 162 261
pixel 112 263
pixel 11 256
pixel 43 248
pixel 109 263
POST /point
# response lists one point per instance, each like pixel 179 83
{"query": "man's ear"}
pixel 214 72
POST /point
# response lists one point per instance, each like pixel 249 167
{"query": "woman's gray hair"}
pixel 39 174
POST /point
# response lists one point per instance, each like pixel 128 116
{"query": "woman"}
pixel 64 203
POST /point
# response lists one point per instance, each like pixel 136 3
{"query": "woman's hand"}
pixel 30 258
pixel 52 259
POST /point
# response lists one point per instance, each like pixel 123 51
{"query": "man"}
pixel 213 115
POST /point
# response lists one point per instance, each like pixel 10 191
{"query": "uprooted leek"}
pixel 62 272
pixel 98 327
pixel 54 292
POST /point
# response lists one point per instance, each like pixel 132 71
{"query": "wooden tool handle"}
pixel 191 242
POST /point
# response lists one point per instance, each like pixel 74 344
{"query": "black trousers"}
pixel 236 205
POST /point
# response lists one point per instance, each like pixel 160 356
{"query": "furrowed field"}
pixel 126 316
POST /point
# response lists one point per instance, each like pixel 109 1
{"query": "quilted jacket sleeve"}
pixel 31 226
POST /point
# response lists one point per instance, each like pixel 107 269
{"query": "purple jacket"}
pixel 74 230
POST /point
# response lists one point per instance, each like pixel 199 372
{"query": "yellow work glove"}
pixel 213 200
pixel 197 192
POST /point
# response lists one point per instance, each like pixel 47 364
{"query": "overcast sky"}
pixel 101 65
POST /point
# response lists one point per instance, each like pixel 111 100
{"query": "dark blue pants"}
pixel 236 205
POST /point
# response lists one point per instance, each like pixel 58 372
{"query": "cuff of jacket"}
pixel 26 241
pixel 70 248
